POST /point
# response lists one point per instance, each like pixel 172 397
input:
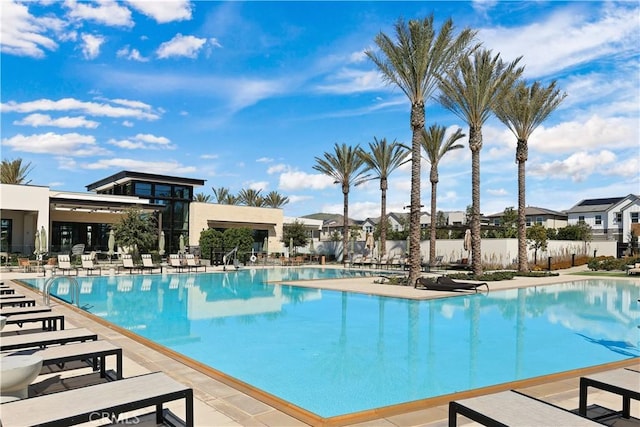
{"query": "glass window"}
pixel 539 220
pixel 162 190
pixel 598 219
pixel 528 220
pixel 180 192
pixel 618 217
pixel 634 217
pixel 581 218
pixel 6 226
pixel 142 189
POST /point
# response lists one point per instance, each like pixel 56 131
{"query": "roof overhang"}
pixel 88 202
pixel 126 176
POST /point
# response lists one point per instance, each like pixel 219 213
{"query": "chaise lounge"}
pixel 106 400
pixel 43 339
pixel 510 408
pixel 445 283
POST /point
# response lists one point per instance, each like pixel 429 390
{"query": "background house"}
pixel 610 218
pixel 535 215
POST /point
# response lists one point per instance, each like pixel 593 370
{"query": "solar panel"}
pixel 606 201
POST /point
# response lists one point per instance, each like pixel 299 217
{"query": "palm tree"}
pixel 250 197
pixel 345 166
pixel 471 91
pixel 13 172
pixel 522 111
pixel 383 159
pixel 436 147
pixel 412 63
pixel 222 194
pixel 201 197
pixel 275 200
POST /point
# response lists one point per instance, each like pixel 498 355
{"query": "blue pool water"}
pixel 334 353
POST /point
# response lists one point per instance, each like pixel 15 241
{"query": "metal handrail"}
pixel 46 290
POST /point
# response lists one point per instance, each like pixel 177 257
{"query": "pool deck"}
pixel 221 402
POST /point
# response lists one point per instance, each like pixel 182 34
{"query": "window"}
pixel 5 235
pixel 163 190
pixel 143 189
pixel 496 221
pixel 368 229
pixel 581 218
pixel 539 220
pixel 528 221
pixel 618 217
pixel 598 219
pixel 634 217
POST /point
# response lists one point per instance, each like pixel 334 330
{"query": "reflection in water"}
pixel 334 352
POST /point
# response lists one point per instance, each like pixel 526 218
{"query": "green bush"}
pixel 607 263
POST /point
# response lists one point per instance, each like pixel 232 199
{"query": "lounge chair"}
pixel 192 264
pixel 435 265
pixel 50 321
pixel 510 408
pixel 127 264
pixel 97 351
pixel 624 382
pixel 18 302
pixel 635 269
pixel 43 339
pixel 147 263
pixel 445 283
pixel 7 291
pixel 89 264
pixel 64 264
pixel 10 311
pixel 176 262
pixel 98 401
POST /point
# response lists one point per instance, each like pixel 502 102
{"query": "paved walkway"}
pixel 218 404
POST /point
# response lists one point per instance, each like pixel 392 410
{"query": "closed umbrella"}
pixel 36 244
pixel 311 248
pixel 265 246
pixel 43 241
pixel 161 243
pixel 467 240
pixel 181 243
pixel 291 246
pixel 111 244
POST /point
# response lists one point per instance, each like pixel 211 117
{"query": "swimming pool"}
pixel 335 353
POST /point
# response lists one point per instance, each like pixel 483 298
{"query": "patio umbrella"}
pixel 161 243
pixel 265 246
pixel 43 240
pixel 111 244
pixel 467 240
pixel 290 246
pixel 181 244
pixel 36 244
pixel 311 248
pixel 369 242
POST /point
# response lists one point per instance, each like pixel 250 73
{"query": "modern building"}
pixel 74 218
pixel 611 218
pixel 535 215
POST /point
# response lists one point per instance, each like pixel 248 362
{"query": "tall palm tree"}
pixel 412 63
pixel 201 197
pixel 383 159
pixel 275 200
pixel 436 147
pixel 14 172
pixel 522 111
pixel 471 91
pixel 250 197
pixel 222 194
pixel 346 168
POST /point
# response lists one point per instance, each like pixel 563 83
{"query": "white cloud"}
pixel 349 80
pixel 277 169
pixel 209 156
pixel 164 11
pixel 70 104
pixel 578 166
pixel 132 164
pixel 291 181
pixel 127 124
pixel 50 143
pixel 257 185
pixel 91 46
pixel 36 120
pixel 144 142
pixel 264 160
pixel 567 38
pixel 482 6
pixel 187 46
pixel 498 192
pixel 23 34
pixel 107 12
pixel 131 54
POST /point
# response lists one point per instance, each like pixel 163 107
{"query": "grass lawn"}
pixel 614 273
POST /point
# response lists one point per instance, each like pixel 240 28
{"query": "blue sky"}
pixel 247 94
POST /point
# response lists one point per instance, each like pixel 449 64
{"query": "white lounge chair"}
pixel 176 263
pixel 99 401
pixel 192 264
pixel 64 264
pixel 43 339
pixel 147 263
pixel 127 264
pixel 88 264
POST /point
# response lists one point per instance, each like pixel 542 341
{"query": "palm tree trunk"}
pixel 345 224
pixel 417 124
pixel 382 250
pixel 432 236
pixel 521 158
pixel 475 144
